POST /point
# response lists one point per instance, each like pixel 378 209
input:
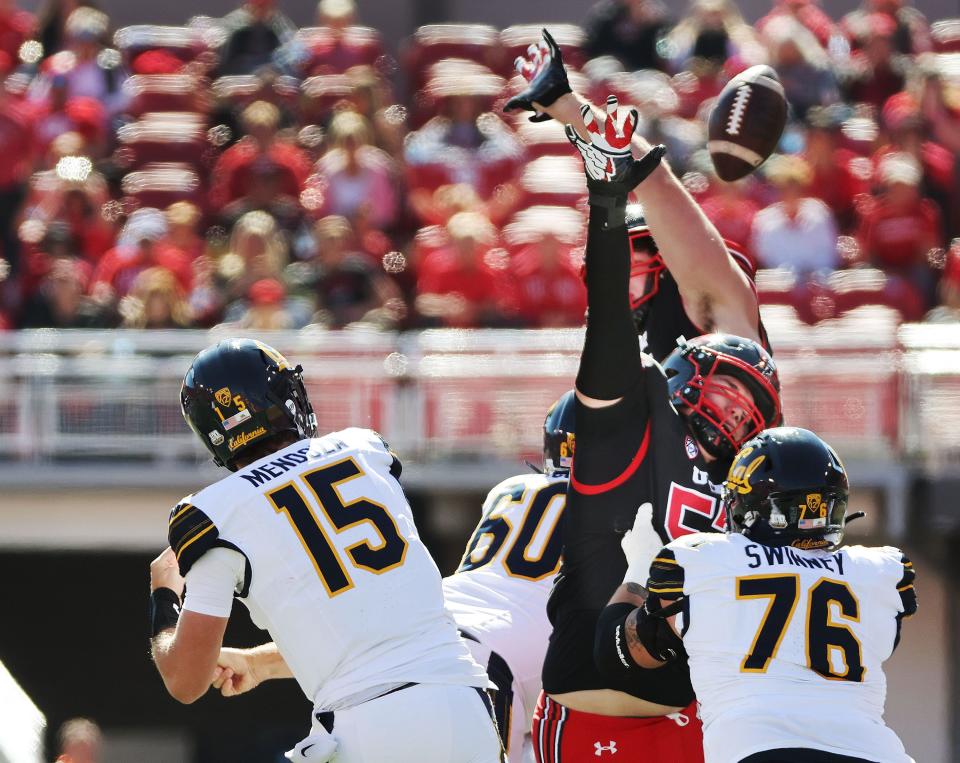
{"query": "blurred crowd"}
pixel 244 171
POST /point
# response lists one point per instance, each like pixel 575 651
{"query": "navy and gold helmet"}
pixel 559 436
pixel 239 393
pixel 695 372
pixel 787 487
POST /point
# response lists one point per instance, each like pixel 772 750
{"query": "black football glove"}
pixel 656 634
pixel 543 69
pixel 611 170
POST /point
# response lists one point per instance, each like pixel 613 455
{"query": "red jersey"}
pixel 121 265
pixel 484 288
pixel 234 171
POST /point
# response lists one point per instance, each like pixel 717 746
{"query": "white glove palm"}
pixel 319 747
pixel 640 545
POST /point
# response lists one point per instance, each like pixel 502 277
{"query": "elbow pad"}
pixel 611 654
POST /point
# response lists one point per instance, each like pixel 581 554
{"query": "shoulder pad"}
pixel 191 533
pixel 666 575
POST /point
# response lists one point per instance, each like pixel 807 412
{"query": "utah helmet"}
pixel 692 372
pixel 240 392
pixel 787 487
pixel 646 266
pixel 559 435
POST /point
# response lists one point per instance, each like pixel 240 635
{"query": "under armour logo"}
pixel 600 748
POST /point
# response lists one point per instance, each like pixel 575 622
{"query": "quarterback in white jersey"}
pixel 498 595
pixel 316 537
pixel 785 630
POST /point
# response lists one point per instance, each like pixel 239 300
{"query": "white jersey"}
pixel 786 646
pixel 499 593
pixel 336 571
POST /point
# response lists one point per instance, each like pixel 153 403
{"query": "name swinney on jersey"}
pixel 760 555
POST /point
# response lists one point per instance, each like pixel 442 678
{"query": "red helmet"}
pixel 692 370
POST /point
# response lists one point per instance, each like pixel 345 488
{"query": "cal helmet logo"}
pixel 222 395
pixel 691 447
pixel 815 504
pixel 566 450
pixel 740 473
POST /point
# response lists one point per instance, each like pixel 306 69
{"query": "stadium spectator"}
pixel 874 71
pixel 550 290
pixel 628 30
pixel 900 227
pixel 465 284
pixel 155 301
pixel 907 133
pixel 911 31
pixel 257 250
pixel 840 176
pixel 711 32
pixel 802 64
pixel 254 32
pixel 59 301
pixel 348 285
pixel 17 145
pixel 85 71
pixel 810 15
pixel 140 246
pixel 260 171
pixel 797 232
pixel 59 113
pixel 356 179
pixel 462 145
pixel 16 27
pixel 264 309
pixel 183 217
pixel 80 741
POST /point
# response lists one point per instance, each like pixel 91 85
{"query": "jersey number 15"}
pixel 324 484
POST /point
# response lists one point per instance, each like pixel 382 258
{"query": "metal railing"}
pixel 875 390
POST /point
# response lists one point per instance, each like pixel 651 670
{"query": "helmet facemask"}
pixel 646 269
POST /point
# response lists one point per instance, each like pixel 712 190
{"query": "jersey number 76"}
pixel 324 484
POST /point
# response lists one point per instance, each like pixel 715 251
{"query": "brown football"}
pixel 746 122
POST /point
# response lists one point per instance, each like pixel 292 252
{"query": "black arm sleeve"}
pixel 610 363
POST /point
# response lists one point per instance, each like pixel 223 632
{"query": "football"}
pixel 746 122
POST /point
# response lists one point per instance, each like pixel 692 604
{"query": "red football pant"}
pixel 562 735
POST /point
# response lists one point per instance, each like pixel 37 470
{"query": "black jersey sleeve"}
pixel 666 576
pixel 908 595
pixel 191 533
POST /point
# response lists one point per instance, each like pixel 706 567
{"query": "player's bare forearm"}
pixel 269 662
pixel 629 593
pixel 186 656
pixel 715 291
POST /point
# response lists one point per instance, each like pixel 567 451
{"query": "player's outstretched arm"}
pixel 184 648
pixel 240 670
pixel 716 292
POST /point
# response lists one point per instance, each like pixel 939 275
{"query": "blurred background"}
pixel 339 181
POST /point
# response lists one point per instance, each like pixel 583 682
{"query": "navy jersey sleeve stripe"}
pixel 191 533
pixel 666 576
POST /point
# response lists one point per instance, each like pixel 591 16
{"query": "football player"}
pixel 315 536
pixel 646 434
pixel 775 608
pixel 498 596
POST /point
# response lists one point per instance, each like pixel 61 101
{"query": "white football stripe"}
pixel 733 149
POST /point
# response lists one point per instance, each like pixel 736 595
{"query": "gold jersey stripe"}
pixel 905 588
pixel 194 539
pixel 665 590
pixel 176 517
pixel 199 527
pixel 664 561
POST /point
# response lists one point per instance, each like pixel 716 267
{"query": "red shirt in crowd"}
pixel 16 142
pixel 16 27
pixel 236 170
pixel 899 237
pixel 733 218
pixel 840 182
pixel 486 291
pixel 548 294
pixel 120 266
